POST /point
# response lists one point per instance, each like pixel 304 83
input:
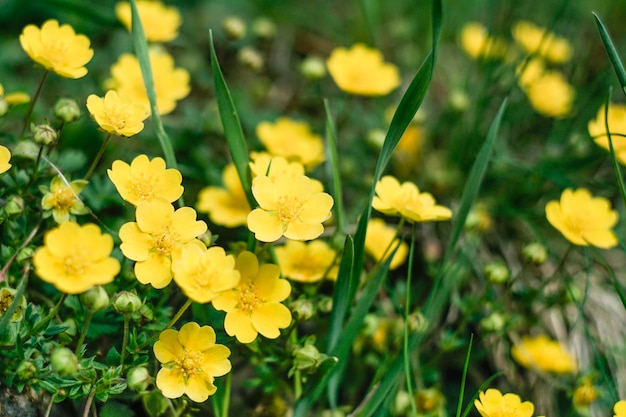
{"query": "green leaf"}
pixel 341 301
pixel 464 377
pixel 333 167
pixel 611 52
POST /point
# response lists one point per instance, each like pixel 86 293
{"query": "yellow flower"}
pixel 493 404
pixel 551 95
pixel 620 408
pixel 381 239
pixel 62 199
pixel 191 360
pixel 617 126
pixel 5 157
pixel 293 140
pixel 57 48
pixel 226 207
pixel 263 163
pixel 75 258
pixel 585 394
pixel 157 237
pixel 254 306
pixel 11 99
pixel 362 71
pixel 583 220
pixel 530 71
pixel 307 262
pixel 170 84
pixel 117 114
pixel 405 200
pixel 534 40
pixel 478 43
pixel 544 354
pixel 289 207
pixel 146 180
pixel 160 23
pixel 204 273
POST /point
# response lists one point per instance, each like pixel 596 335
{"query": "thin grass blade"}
pixel 333 167
pixel 611 52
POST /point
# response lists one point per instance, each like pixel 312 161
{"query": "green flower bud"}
pixel 493 322
pixel 302 309
pixel 234 27
pixel 496 272
pixel 14 205
pixel 376 138
pixel 251 58
pixel 95 299
pixel 418 322
pixel 72 328
pixel 63 361
pixel 144 314
pixel 264 28
pixel 138 378
pixel 26 370
pixel 67 110
pixel 535 253
pixel 26 149
pixel 307 358
pixel 325 304
pixel 44 134
pixel 126 302
pixel 313 68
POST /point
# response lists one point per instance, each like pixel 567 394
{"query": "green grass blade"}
pixel 232 126
pixel 611 52
pixel 464 377
pixel 333 167
pixel 616 167
pixel 484 385
pixel 341 301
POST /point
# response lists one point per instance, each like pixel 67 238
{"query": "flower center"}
pixel 190 363
pixel 74 265
pixel 118 115
pixel 289 208
pixel 249 299
pixel 64 199
pixel 56 51
pixel 163 243
pixel 143 187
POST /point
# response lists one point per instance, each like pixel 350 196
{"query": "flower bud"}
pixel 313 68
pixel 72 328
pixel 302 309
pixel 429 400
pixel 418 322
pixel 493 322
pixel 64 361
pixel 67 110
pixel 264 28
pixel 535 253
pixel 325 304
pixel 138 378
pixel 95 298
pixel 44 134
pixel 7 297
pixel 126 302
pixel 26 370
pixel 496 272
pixel 307 358
pixel 376 138
pixel 251 58
pixel 26 149
pixel 585 394
pixel 234 27
pixel 14 205
pixel 459 100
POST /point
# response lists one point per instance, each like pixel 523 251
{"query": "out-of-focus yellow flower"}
pixel 307 262
pixel 551 95
pixel 535 40
pixel 620 408
pixel 585 394
pixel 204 273
pixel 146 180
pixel 61 199
pixel 583 220
pixel 289 207
pixel 57 48
pixel 5 157
pixel 293 140
pixel 380 240
pixel 160 22
pixel 254 306
pixel 530 71
pixel 617 127
pixel 11 99
pixel 542 353
pixel 75 258
pixel 190 361
pixel 406 200
pixel 478 43
pixel 409 150
pixel 362 71
pixel 117 114
pixel 226 206
pixel 171 84
pixel 157 237
pixel 493 404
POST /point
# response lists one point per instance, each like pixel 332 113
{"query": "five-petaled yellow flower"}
pixel 62 199
pixel 362 71
pixel 493 404
pixel 57 48
pixel 478 43
pixel 226 206
pixel 620 408
pixel 5 157
pixel 190 362
pixel 170 84
pixel 160 22
pixel 544 354
pixel 75 258
pixel 406 200
pixel 254 306
pixel 157 237
pixel 262 163
pixel 617 128
pixel 117 114
pixel 583 219
pixel 204 273
pixel 550 94
pixel 535 40
pixel 289 207
pixel 381 240
pixel 146 180
pixel 307 261
pixel 293 140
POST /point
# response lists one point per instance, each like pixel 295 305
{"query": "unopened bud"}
pixel 95 298
pixel 585 395
pixel 138 378
pixel 26 149
pixel 251 58
pixel 26 370
pixel 234 27
pixel 126 302
pixel 64 361
pixel 376 138
pixel 313 68
pixel 497 273
pixel 302 309
pixel 264 28
pixel 493 322
pixel 535 253
pixel 67 110
pixel 307 358
pixel 44 134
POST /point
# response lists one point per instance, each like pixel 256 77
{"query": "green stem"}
pixel 92 168
pixel 297 375
pixel 29 113
pixel 170 324
pixel 407 315
pixel 50 404
pixel 83 333
pixel 226 398
pixel 125 338
pixel 89 401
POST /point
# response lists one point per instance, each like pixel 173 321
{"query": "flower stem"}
pixel 125 338
pixel 83 332
pixel 89 401
pixel 407 315
pixel 29 113
pixel 172 322
pixel 297 375
pixel 226 397
pixel 92 168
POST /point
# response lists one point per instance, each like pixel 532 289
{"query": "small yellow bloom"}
pixel 620 408
pixel 551 95
pixel 11 99
pixel 171 84
pixel 289 207
pixel 530 71
pixel 307 262
pixel 583 220
pixel 585 394
pixel 534 40
pixel 478 43
pixel 493 404
pixel 62 200
pixel 190 362
pixel 380 240
pixel 395 199
pixel 254 306
pixel 75 258
pixel 362 71
pixel 5 157
pixel 204 273
pixel 117 114
pixel 617 127
pixel 146 180
pixel 226 206
pixel 160 22
pixel 57 48
pixel 156 238
pixel 293 140
pixel 544 354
